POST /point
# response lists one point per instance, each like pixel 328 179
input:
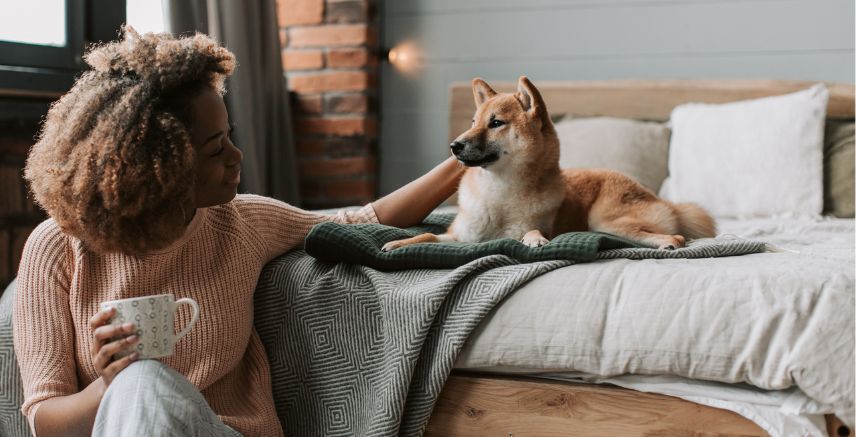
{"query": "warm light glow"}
pixel 405 57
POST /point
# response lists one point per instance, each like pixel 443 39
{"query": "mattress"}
pixel 782 321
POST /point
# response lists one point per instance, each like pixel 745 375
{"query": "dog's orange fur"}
pixel 524 195
pixel 608 201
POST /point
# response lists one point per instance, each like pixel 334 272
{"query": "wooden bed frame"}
pixel 492 405
pixel 473 404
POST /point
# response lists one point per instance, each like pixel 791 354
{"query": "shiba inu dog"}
pixel 514 187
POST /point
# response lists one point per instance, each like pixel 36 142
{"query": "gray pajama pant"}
pixel 149 398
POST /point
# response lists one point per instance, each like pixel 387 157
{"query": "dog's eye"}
pixel 495 123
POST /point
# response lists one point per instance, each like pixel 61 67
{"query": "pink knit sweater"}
pixel 216 262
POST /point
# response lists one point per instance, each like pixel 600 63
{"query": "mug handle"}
pixel 193 320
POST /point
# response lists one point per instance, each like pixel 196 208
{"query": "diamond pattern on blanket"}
pixel 355 351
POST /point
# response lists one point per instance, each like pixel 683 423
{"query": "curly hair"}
pixel 114 164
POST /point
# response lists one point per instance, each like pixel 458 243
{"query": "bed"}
pixel 591 349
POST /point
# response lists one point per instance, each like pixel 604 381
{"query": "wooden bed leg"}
pixel 836 428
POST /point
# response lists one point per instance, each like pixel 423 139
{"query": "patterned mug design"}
pixel 153 317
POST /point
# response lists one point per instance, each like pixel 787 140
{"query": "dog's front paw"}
pixel 392 245
pixel 673 242
pixel 534 239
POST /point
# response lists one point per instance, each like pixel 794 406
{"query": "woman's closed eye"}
pixel 219 151
pixel 220 147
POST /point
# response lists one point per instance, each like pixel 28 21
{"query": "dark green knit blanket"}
pixel 361 244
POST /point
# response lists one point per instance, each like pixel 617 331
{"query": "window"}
pixel 145 15
pixel 42 41
pixel 43 23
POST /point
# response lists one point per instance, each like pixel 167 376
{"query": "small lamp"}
pixel 405 56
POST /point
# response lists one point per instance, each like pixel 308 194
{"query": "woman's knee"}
pixel 144 378
pixel 143 369
pixel 148 396
pixel 143 385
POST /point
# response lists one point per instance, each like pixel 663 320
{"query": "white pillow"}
pixel 637 149
pixel 754 158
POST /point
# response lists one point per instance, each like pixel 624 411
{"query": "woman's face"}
pixel 218 161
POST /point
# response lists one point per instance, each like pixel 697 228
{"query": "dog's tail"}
pixel 694 221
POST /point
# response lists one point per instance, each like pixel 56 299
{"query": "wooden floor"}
pixel 517 407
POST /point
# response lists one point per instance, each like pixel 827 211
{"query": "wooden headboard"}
pixel 643 99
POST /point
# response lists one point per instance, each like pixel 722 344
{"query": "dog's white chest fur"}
pixel 493 207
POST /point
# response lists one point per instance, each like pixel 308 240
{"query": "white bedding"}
pixel 772 320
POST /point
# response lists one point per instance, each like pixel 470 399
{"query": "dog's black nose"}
pixel 456 147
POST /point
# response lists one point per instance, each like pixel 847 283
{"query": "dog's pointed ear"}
pixel 530 98
pixel 482 91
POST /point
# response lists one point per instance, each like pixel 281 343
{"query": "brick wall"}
pixel 330 60
pixel 18 214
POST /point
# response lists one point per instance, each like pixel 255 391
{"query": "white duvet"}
pixel 773 320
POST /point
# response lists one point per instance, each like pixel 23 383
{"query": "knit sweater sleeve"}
pixel 281 227
pixel 42 324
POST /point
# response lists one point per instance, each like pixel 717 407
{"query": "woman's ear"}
pixel 482 91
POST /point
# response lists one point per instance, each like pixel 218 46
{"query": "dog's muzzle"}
pixel 465 153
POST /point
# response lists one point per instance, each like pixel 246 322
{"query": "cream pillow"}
pixel 637 149
pixel 754 158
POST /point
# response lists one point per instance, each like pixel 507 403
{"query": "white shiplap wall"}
pixel 592 39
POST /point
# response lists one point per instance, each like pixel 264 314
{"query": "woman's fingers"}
pixel 106 332
pixel 101 317
pixel 105 354
pixel 117 366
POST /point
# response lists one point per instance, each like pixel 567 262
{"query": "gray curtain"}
pixel 257 96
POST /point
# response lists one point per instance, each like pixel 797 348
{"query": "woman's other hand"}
pixel 109 340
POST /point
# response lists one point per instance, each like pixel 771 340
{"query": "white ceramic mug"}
pixel 153 317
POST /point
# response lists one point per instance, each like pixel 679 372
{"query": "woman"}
pixel 137 172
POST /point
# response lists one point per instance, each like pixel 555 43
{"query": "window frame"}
pixel 40 70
